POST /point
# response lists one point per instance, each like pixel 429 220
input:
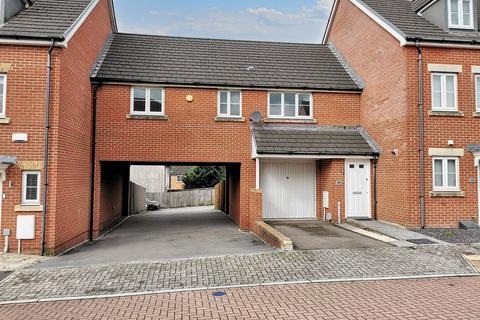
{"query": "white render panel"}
pixel 289 189
pixel 454 68
pixel 446 152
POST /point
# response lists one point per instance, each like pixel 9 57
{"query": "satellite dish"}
pixel 256 117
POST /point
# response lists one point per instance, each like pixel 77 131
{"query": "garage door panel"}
pixel 289 190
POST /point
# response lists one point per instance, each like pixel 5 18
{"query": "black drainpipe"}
pixel 45 156
pixel 92 160
pixel 375 201
pixel 421 135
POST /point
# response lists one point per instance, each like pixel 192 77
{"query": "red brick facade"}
pixel 389 111
pixel 70 134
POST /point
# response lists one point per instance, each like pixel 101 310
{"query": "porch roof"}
pixel 313 140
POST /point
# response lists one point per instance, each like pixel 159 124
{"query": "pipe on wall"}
pixel 421 135
pixel 92 160
pixel 46 146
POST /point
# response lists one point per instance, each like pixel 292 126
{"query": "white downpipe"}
pixel 257 174
pixel 339 209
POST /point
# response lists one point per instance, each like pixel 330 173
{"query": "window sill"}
pixel 447 194
pixel 4 120
pixel 146 117
pixel 229 119
pixel 476 114
pixel 445 113
pixel 28 208
pixel 279 120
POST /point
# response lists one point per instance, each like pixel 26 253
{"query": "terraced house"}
pixel 378 122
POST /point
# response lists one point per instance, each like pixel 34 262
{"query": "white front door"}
pixel 357 189
pixel 289 189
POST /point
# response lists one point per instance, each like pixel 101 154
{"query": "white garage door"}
pixel 288 189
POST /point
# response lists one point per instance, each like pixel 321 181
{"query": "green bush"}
pixel 203 177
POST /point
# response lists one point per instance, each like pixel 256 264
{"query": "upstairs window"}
pixel 147 101
pixel 230 104
pixel 477 91
pixel 290 105
pixel 3 95
pixel 460 14
pixel 444 92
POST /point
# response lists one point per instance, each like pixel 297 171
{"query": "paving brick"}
pixel 279 267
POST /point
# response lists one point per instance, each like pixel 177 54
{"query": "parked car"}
pixel 152 205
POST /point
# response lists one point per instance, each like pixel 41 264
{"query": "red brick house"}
pixel 427 125
pixel 68 35
pixel 306 131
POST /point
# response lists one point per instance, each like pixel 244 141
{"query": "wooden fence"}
pixel 184 198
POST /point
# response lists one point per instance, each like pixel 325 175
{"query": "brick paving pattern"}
pixel 448 298
pixel 233 271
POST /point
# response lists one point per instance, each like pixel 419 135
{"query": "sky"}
pixel 267 20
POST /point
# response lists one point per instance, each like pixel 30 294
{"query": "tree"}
pixel 203 177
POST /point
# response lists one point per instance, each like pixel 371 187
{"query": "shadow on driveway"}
pixel 162 235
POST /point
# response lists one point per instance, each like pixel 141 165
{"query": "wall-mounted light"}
pixel 395 152
pixel 451 142
pixel 189 98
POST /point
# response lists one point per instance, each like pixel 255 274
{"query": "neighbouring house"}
pixel 68 36
pixel 420 61
pixel 378 122
pixel 175 176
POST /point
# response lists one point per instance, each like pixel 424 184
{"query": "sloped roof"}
pixel 401 14
pixel 418 5
pixel 194 61
pixel 313 140
pixel 45 19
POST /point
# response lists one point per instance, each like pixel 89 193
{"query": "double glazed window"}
pixel 148 101
pixel 445 174
pixel 444 92
pixel 289 105
pixel 229 104
pixel 460 14
pixel 3 89
pixel 477 91
pixel 30 187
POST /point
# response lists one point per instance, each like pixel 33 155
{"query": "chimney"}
pixel 10 8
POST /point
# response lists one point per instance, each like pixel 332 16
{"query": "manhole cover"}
pixel 421 241
pixel 219 294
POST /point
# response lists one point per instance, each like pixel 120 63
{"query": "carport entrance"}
pixel 166 234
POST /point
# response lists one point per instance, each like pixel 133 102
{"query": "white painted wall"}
pixel 151 178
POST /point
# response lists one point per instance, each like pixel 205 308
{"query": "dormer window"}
pixel 460 14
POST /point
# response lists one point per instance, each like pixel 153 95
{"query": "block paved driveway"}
pixel 452 298
pixel 208 273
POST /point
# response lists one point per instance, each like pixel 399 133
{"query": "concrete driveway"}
pixel 163 235
pixel 312 235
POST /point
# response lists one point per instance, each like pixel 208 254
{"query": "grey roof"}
pixel 313 140
pixel 180 170
pixel 418 5
pixel 45 19
pixel 402 16
pixel 193 61
pixel 8 159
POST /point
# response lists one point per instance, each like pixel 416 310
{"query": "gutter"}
pixel 421 135
pixel 46 145
pixel 92 160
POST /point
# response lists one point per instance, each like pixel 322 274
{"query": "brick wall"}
pixel 67 204
pixel 331 178
pixel 389 111
pixel 191 135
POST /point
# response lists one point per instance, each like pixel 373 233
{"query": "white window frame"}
pixel 460 24
pixel 477 93
pixel 229 113
pixel 147 101
pixel 3 113
pixel 444 91
pixel 297 116
pixel 445 187
pixel 24 188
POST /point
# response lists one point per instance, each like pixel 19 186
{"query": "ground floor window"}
pixel 31 187
pixel 445 174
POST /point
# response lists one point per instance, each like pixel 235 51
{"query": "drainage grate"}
pixel 421 241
